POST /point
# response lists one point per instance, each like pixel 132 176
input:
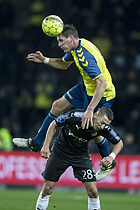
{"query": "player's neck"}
pixel 75 43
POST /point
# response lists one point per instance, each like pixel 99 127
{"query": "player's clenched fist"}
pixel 45 153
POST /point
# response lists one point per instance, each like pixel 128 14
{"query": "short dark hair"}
pixel 68 30
pixel 106 111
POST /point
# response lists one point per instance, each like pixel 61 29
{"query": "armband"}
pixel 112 155
pixel 46 60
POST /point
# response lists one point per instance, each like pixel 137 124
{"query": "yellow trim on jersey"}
pixel 79 50
pixel 51 116
pixel 70 96
pixel 67 61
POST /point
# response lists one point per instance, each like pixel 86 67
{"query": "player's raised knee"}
pixel 56 107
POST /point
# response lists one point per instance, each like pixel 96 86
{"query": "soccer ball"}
pixel 52 25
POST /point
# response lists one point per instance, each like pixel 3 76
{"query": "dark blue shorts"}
pixel 78 97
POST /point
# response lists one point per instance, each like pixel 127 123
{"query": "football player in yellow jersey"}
pixel 96 90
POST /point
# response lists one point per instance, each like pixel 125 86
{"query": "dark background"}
pixel 27 89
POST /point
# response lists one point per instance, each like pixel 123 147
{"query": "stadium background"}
pixel 27 89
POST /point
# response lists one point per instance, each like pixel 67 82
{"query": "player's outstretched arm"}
pixel 57 63
pixel 45 151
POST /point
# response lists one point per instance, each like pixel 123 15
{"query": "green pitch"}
pixel 72 200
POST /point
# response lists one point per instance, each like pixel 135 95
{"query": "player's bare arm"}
pixel 45 151
pixel 57 63
pixel 88 115
pixel 107 161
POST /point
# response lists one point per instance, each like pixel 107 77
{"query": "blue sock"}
pixel 103 148
pixel 40 137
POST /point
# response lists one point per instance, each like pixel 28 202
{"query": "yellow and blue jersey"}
pixel 91 65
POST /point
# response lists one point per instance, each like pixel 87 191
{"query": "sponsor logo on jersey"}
pixel 77 138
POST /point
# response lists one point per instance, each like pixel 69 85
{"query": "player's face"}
pixel 100 122
pixel 64 43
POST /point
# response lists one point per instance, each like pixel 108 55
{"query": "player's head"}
pixel 106 111
pixel 68 39
pixel 102 117
pixel 68 30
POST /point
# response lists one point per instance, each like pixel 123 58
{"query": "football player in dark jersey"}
pixel 70 148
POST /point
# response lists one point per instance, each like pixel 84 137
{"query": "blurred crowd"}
pixel 27 89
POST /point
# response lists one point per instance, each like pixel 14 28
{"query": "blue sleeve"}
pixel 92 69
pixel 68 57
pixel 89 64
pixel 62 120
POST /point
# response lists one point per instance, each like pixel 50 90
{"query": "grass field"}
pixel 15 199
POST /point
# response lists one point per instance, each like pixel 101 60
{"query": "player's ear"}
pixel 70 38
